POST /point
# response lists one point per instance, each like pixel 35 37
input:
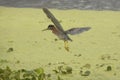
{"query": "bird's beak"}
pixel 45 29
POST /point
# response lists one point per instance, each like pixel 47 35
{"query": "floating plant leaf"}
pixel 109 68
pixel 86 73
pixel 39 70
pixel 68 69
pixel 56 71
pixel 10 49
pixel 63 70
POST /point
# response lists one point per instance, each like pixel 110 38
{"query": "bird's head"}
pixel 50 27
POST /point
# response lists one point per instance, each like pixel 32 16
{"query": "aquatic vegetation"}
pixel 23 74
pixel 90 53
pixel 5 73
pixel 10 49
pixel 63 70
pixel 4 61
pixel 86 73
pixel 59 78
pixel 109 68
pixel 88 66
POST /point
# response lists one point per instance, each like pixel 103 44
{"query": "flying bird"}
pixel 58 30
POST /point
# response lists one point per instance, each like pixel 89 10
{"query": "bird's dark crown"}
pixel 50 26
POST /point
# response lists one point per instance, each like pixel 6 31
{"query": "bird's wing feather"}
pixel 74 31
pixel 53 19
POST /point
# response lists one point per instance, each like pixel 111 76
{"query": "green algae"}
pixel 21 29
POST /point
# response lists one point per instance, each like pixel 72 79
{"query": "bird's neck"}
pixel 55 31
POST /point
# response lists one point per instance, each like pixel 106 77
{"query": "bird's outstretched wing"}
pixel 74 31
pixel 53 19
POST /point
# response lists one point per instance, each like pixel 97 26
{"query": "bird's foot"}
pixel 66 45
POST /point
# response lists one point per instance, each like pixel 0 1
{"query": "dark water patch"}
pixel 65 4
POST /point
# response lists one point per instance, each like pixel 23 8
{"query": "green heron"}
pixel 59 31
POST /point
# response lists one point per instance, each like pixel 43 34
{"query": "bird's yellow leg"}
pixel 66 45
